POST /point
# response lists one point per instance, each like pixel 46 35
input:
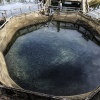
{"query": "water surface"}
pixel 57 63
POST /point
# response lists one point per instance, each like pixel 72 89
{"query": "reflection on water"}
pixel 57 63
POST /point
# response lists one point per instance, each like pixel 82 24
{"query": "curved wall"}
pixel 6 35
pixel 31 19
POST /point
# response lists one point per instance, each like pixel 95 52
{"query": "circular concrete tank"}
pixel 56 63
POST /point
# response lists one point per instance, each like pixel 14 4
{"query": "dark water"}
pixel 57 63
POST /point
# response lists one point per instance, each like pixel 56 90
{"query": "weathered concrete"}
pixel 94 95
pixel 92 25
pixel 17 23
pixel 7 93
pixel 4 76
pixel 21 32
